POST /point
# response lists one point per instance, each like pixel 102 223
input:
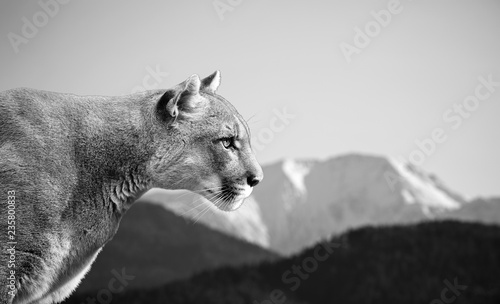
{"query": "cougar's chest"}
pixel 79 269
pixel 69 280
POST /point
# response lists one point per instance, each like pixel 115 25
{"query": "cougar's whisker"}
pixel 198 205
pixel 198 191
pixel 202 213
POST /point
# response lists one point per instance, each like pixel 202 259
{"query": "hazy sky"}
pixel 287 56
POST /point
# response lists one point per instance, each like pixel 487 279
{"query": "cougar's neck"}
pixel 120 193
pixel 113 149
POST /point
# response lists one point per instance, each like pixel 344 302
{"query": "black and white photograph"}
pixel 249 152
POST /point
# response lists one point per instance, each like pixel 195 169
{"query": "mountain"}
pixel 157 246
pixel 433 262
pixel 304 201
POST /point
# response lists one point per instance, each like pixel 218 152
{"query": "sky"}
pixel 415 80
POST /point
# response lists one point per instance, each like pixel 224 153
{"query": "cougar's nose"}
pixel 255 177
pixel 253 181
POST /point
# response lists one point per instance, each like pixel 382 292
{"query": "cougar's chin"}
pixel 232 206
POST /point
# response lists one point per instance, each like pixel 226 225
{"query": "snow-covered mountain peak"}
pixel 296 172
pixel 417 186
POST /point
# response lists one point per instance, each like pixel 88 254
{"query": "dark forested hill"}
pixel 396 264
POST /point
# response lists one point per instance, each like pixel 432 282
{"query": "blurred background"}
pixel 375 122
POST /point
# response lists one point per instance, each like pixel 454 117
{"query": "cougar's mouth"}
pixel 228 197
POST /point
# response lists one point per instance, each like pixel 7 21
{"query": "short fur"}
pixel 77 163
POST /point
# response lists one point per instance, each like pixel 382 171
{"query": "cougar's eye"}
pixel 227 142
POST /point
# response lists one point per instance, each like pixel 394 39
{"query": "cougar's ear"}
pixel 212 82
pixel 182 99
